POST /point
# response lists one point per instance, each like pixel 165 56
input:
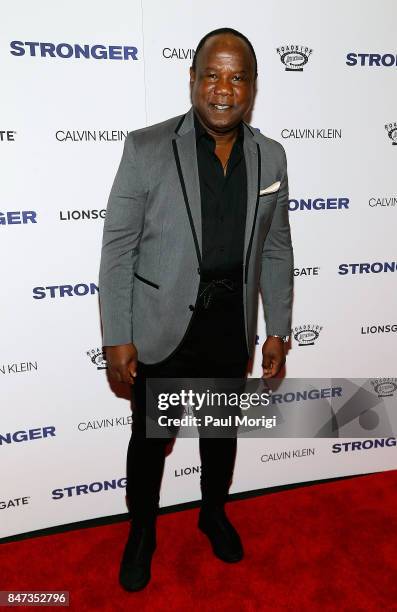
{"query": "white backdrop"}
pixel 63 120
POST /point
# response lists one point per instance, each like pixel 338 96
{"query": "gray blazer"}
pixel 151 250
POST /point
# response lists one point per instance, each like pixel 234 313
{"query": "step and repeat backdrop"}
pixel 76 78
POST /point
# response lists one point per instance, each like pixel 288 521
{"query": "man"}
pixel 197 221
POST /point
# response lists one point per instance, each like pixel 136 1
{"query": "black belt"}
pixel 208 288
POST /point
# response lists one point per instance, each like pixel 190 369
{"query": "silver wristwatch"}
pixel 283 338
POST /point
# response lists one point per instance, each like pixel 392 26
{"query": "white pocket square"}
pixel 271 189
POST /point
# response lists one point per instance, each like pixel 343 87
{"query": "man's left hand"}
pixel 273 352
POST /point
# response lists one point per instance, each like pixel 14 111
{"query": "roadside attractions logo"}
pixel 306 335
pixel 384 387
pixel 294 57
pixel 391 129
pixel 98 358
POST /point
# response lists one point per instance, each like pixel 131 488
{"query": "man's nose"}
pixel 223 88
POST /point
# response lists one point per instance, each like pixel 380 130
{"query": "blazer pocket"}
pixel 268 198
pixel 274 188
pixel 145 280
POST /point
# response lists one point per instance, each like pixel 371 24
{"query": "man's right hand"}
pixel 122 362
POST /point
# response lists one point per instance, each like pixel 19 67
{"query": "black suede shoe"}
pixel 137 557
pixel 224 539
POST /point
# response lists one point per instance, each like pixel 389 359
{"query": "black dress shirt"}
pixel 223 206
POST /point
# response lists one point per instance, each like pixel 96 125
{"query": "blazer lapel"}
pixel 184 147
pixel 252 161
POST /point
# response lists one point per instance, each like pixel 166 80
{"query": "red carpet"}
pixel 326 547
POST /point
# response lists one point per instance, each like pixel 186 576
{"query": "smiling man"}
pixel 196 223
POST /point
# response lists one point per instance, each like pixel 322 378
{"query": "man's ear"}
pixel 192 75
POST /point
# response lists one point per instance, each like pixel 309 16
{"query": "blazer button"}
pixel 191 307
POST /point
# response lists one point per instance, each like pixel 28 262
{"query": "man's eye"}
pixel 212 75
pixel 238 78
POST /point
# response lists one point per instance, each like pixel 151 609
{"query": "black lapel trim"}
pixel 189 212
pixel 249 128
pixel 180 123
pixel 247 259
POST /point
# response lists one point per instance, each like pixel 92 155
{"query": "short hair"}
pixel 225 31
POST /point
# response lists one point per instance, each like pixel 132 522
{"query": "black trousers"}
pixel 214 346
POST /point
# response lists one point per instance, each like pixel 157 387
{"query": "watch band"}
pixel 283 338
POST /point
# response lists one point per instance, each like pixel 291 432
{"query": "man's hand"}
pixel 273 352
pixel 122 362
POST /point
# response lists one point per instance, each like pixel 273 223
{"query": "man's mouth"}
pixel 222 107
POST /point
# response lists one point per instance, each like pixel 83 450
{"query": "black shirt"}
pixel 223 206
